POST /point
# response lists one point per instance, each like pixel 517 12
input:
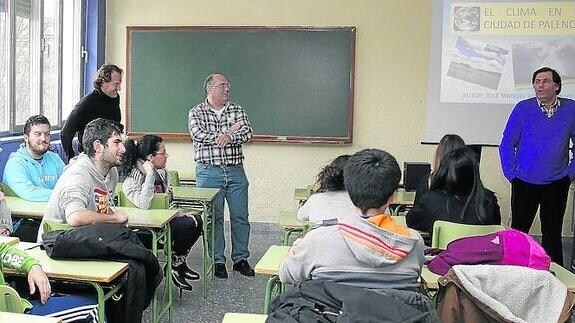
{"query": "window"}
pixel 40 60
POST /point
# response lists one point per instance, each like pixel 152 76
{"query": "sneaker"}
pixel 179 279
pixel 244 268
pixel 220 271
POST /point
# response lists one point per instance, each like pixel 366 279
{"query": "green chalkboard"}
pixel 296 84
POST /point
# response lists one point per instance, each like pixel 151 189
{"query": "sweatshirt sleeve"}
pixel 509 143
pixel 140 194
pixel 5 216
pixel 17 178
pixel 299 263
pixel 16 259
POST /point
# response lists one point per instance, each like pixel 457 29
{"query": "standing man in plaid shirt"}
pixel 218 129
pixel 534 155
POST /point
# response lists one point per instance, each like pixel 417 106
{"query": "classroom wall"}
pixel 390 87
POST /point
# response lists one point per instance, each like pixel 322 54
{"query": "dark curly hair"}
pixel 330 178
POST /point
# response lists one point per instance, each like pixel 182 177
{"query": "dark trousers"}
pixel 552 201
pixel 185 232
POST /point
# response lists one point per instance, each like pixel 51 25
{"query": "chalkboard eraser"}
pixel 281 138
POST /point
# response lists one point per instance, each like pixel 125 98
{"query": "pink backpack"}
pixel 505 247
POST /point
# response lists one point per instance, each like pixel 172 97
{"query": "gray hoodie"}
pixel 80 187
pixel 5 218
pixel 358 253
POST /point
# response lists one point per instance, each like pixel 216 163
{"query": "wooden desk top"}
pixel 153 218
pixel 98 271
pixel 244 318
pixel 269 263
pixel 192 193
pixel 187 175
pixel 9 240
pixel 6 317
pixel 22 208
pixel 564 275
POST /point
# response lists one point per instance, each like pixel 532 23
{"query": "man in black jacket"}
pixel 103 102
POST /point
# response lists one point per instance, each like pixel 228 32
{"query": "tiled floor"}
pixel 235 294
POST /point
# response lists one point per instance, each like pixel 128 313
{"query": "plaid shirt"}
pixel 549 111
pixel 205 127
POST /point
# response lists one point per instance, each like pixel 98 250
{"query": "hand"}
pixel 37 279
pixel 148 167
pixel 4 232
pixel 223 140
pixel 235 127
pixel 121 216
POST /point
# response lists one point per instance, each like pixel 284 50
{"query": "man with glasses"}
pixel 534 156
pixel 218 129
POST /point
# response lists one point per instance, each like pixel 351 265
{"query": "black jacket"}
pixel 112 241
pixel 326 301
pixel 439 205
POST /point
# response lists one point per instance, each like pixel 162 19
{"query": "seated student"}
pixel 83 198
pixel 32 171
pixel 456 194
pixel 331 199
pixel 5 218
pixel 368 249
pixel 447 143
pixel 144 165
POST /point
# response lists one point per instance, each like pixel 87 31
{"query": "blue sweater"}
pixel 31 179
pixel 535 148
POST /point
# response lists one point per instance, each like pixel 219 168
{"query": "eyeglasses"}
pixel 163 153
pixel 223 85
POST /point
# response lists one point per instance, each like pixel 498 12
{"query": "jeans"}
pixel 233 185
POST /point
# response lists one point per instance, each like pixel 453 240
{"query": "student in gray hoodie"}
pixel 84 193
pixel 367 249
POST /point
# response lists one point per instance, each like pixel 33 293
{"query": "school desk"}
pixel 157 222
pixel 99 274
pixel 9 240
pixel 204 197
pixel 25 209
pixel 244 318
pixel 269 264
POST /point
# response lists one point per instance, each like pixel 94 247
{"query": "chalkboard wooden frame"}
pixel 343 138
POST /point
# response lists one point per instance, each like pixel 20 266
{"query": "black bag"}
pixel 327 302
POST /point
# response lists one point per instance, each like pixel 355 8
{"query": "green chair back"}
pixel 444 232
pixel 49 226
pixel 174 177
pixel 10 301
pixel 8 191
pixel 159 201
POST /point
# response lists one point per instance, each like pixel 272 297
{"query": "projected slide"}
pixel 490 49
pixel 482 56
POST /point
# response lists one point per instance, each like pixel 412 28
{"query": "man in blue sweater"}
pixel 534 155
pixel 32 171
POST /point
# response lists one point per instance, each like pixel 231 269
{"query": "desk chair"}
pixel 444 232
pixel 174 177
pixel 10 301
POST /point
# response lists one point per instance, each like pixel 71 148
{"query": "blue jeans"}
pixel 233 185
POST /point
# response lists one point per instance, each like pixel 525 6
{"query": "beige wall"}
pixel 390 88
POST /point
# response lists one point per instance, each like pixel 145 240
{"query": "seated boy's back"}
pixel 367 250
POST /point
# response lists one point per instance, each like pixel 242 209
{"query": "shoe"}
pixel 186 271
pixel 220 271
pixel 179 279
pixel 244 268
